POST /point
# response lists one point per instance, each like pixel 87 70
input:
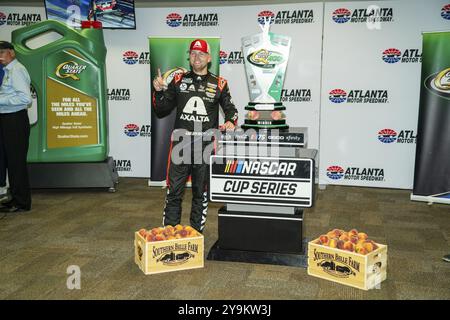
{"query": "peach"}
pixel 354 239
pixel 349 246
pixel 183 233
pixel 344 237
pixel 159 237
pixel 178 227
pixel 361 250
pixel 353 232
pixel 369 245
pixel 157 230
pixel 340 244
pixel 149 237
pixel 333 243
pixel 188 228
pixel 143 232
pixel 362 236
pixel 324 239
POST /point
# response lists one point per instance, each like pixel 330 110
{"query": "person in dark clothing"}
pixel 15 97
pixel 196 95
pixel 3 187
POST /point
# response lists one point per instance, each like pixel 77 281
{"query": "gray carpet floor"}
pixel 94 230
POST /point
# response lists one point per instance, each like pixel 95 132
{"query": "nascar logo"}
pixel 260 167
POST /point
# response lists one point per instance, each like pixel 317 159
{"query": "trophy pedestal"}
pixel 265 116
pixel 262 221
pixel 255 237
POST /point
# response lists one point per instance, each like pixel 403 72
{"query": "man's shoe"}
pixel 446 258
pixel 13 208
pixel 7 204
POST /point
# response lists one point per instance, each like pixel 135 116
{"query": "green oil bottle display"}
pixel 69 78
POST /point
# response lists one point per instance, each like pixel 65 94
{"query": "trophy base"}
pixel 265 116
pixel 281 127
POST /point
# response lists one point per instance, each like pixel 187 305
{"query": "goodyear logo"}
pixel 373 14
pixel 69 69
pixel 265 58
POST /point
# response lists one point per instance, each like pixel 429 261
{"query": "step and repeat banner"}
pixel 370 89
pixel 128 64
pixel 363 93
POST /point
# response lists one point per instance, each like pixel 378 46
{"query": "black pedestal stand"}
pixel 74 175
pixel 266 238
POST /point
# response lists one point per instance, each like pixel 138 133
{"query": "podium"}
pixel 266 179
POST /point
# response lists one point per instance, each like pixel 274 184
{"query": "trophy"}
pixel 265 56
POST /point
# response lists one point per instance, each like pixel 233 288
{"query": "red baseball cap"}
pixel 200 45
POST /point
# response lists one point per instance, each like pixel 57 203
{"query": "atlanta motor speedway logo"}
pixel 336 172
pixel 133 130
pixel 372 14
pixel 233 57
pixel 389 136
pixel 394 55
pixel 286 17
pixel 19 19
pixel 175 20
pixel 358 96
pixel 131 57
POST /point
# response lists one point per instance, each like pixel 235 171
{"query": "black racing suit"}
pixel 197 99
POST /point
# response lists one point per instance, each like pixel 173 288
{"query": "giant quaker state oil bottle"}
pixel 69 78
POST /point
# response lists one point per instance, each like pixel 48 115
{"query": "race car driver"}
pixel 196 95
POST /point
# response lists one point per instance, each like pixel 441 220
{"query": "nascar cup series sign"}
pixel 262 180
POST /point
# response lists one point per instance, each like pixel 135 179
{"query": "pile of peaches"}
pixel 168 233
pixel 352 241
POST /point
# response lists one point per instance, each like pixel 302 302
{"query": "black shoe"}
pixel 7 204
pixel 13 208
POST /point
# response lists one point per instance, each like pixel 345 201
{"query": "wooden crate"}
pixel 349 268
pixel 168 255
